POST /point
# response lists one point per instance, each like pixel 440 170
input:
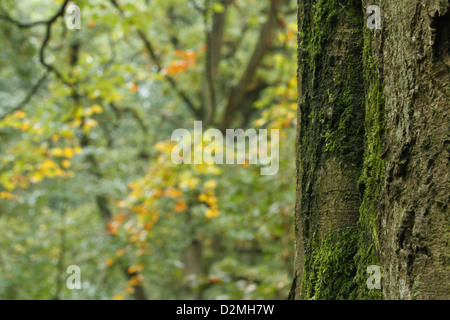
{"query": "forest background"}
pixel 86 178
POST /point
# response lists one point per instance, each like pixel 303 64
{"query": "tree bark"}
pixel 373 149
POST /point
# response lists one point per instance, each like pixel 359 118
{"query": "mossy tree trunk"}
pixel 373 150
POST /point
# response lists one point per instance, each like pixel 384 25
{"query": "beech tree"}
pixel 373 150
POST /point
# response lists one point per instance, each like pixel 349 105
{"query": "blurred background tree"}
pixel 85 172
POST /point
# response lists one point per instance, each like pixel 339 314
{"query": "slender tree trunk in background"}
pixel 373 149
pixel 102 201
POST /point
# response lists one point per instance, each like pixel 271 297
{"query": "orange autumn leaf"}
pixel 111 227
pixel 120 218
pixel 129 290
pixel 177 66
pixel 157 193
pixel 214 279
pixel 148 225
pixel 188 55
pixel 140 210
pixel 20 114
pixel 173 193
pixel 120 252
pixel 131 270
pixel 135 280
pixel 55 137
pixel 180 206
pixel 109 262
pixel 134 87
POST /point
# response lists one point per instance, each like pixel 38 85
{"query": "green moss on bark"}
pixel 331 128
pixel 330 267
pixel 371 179
pixel 340 114
pixel 342 117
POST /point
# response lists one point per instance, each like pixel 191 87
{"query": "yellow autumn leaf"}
pixel 212 213
pixel 88 124
pixel 20 114
pixel 57 152
pixel 164 146
pixel 117 97
pixel 210 184
pixel 75 123
pixel 140 252
pixel 109 262
pixel 88 112
pixel 92 110
pixel 69 152
pixel 96 109
pixel 67 133
pixel 213 170
pixel 47 165
pixel 25 126
pixel 260 122
pixel 37 177
pixel 6 195
pixel 66 164
pixel 121 204
pixel 212 200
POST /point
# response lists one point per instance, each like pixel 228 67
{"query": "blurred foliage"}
pixel 85 172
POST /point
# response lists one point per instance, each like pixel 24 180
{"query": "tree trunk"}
pixel 373 149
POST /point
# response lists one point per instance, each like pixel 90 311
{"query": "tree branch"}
pixel 48 31
pixel 237 94
pixel 28 97
pixel 156 60
pixel 214 40
pixel 22 25
pixel 49 68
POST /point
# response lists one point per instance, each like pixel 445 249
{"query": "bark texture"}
pixel 373 150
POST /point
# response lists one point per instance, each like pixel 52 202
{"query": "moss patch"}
pixel 342 117
pixel 372 175
pixel 330 267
